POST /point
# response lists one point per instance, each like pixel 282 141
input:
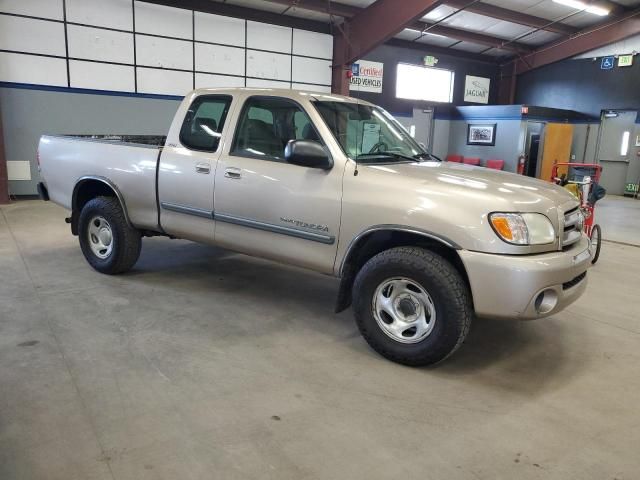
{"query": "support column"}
pixel 339 79
pixel 507 86
pixel 4 181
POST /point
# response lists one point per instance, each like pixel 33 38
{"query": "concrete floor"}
pixel 620 219
pixel 203 364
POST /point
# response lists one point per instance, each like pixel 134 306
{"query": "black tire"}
pixel 598 234
pixel 126 241
pixel 448 291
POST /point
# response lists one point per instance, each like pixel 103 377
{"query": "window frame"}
pixel 235 153
pixel 223 120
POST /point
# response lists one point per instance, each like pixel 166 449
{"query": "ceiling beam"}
pixel 513 16
pixel 451 52
pixel 468 36
pixel 375 25
pixel 615 30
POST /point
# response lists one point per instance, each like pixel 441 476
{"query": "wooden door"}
pixel 558 138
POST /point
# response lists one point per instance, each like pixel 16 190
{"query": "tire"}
pixel 107 241
pixel 411 272
pixel 596 232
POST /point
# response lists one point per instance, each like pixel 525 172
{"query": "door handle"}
pixel 203 167
pixel 233 172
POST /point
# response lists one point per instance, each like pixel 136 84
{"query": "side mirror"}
pixel 307 153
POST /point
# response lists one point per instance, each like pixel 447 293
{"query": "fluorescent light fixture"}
pixel 580 5
pixel 420 32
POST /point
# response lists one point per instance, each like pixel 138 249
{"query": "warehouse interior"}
pixel 202 362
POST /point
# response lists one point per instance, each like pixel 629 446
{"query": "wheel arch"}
pixel 89 187
pixel 383 237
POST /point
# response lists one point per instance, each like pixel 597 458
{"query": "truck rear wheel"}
pixel 107 241
pixel 412 306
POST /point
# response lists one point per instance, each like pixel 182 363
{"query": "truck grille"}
pixel 572 228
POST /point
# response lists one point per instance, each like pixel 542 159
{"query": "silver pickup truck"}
pixel 338 186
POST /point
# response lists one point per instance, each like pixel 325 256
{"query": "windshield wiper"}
pixel 397 156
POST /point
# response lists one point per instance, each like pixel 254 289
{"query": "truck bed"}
pixel 126 162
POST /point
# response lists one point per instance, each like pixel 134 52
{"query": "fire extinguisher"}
pixel 521 161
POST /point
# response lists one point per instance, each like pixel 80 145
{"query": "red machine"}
pixel 583 179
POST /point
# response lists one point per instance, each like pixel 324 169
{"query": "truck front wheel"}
pixel 412 306
pixel 107 241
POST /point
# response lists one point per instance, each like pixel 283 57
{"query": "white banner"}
pixel 476 89
pixel 367 76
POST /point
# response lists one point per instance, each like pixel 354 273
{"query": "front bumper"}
pixel 527 286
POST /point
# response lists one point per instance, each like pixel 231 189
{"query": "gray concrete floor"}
pixel 619 218
pixel 203 364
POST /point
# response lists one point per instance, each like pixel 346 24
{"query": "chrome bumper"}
pixel 528 286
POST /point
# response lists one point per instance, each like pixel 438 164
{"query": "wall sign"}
pixel 430 61
pixel 631 188
pixel 367 76
pixel 625 60
pixel 476 89
pixel 607 63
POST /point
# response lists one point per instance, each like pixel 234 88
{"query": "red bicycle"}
pixel 583 180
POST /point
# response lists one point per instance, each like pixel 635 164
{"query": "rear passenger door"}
pixel 268 207
pixel 187 168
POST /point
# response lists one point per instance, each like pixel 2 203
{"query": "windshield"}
pixel 369 134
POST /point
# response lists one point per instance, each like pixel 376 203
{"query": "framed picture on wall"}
pixel 481 134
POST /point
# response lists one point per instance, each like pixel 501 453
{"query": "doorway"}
pixel 532 148
pixel 532 156
pixel 615 147
pixel 420 126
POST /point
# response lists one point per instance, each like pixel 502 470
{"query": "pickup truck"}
pixel 335 185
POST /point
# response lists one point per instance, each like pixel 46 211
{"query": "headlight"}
pixel 523 228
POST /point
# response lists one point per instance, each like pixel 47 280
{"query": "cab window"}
pixel 202 126
pixel 266 124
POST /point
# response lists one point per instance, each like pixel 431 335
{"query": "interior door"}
pixel 615 148
pixel 186 170
pixel 267 207
pixel 558 138
pixel 420 126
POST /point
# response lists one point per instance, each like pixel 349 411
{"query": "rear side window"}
pixel 202 126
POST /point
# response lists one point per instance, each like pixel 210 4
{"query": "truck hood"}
pixel 498 189
pixel 454 200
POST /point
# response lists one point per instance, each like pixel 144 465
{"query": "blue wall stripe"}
pixel 87 91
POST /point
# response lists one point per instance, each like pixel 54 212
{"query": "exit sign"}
pixel 625 60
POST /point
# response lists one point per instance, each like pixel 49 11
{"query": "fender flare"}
pixel 347 277
pixel 75 214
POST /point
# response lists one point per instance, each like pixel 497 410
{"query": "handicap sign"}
pixel 607 63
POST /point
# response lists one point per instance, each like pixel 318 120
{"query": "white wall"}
pixel 132 46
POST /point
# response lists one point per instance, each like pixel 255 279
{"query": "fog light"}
pixel 546 301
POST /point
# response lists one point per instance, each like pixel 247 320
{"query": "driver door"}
pixel 268 207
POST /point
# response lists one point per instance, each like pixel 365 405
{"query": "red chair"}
pixel 454 158
pixel 472 161
pixel 495 164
